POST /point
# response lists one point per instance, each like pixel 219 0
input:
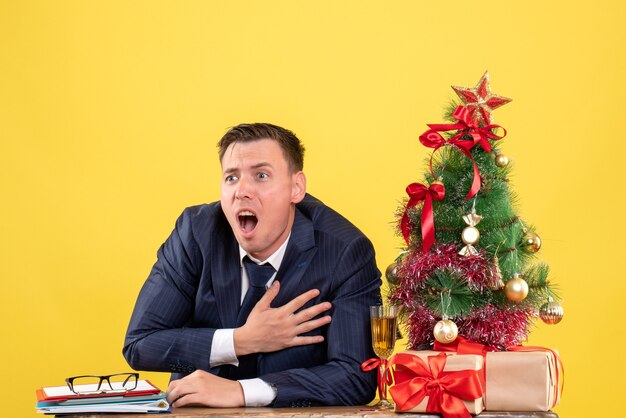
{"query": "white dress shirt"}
pixel 256 392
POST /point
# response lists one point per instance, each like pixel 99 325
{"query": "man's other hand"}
pixel 201 388
pixel 270 329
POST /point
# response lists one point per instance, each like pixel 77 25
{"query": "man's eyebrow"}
pixel 262 164
pixel 230 170
pixel 255 166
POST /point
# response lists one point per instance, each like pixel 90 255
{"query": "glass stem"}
pixel 382 380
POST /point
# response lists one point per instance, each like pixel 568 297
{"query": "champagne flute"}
pixel 384 325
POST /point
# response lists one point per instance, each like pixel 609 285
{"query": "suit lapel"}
pixel 226 275
pixel 298 256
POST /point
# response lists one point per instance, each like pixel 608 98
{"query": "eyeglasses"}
pixel 113 383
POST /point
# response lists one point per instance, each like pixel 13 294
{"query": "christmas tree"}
pixel 469 267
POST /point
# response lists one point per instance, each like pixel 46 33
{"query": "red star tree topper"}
pixel 480 101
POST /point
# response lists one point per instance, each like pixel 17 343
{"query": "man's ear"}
pixel 298 189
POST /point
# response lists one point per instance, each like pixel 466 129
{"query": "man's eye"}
pixel 230 179
pixel 263 175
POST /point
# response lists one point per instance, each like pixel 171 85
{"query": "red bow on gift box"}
pixel 445 390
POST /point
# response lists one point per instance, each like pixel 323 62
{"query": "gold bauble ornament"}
pixel 438 181
pixel 392 272
pixel 445 331
pixel 551 312
pixel 516 289
pixel 501 160
pixel 532 242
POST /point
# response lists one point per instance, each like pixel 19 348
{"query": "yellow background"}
pixel 110 111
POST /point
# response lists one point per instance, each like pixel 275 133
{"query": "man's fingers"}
pixel 268 297
pixel 298 302
pixel 306 340
pixel 187 400
pixel 305 327
pixel 203 388
pixel 174 392
pixel 310 313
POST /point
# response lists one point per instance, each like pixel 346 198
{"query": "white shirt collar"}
pixel 275 260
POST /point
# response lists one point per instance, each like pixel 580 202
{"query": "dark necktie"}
pixel 258 275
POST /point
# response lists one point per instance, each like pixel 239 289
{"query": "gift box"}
pixel 430 381
pixel 522 380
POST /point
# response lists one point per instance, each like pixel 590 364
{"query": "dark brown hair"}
pixel 248 132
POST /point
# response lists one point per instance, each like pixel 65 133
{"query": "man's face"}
pixel 259 194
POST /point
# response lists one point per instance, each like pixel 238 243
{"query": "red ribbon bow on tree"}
pixel 418 192
pixel 480 134
pixel 445 390
pixel 466 126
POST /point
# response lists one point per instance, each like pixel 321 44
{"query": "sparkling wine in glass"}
pixel 384 326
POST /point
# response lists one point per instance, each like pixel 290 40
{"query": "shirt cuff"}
pixel 223 348
pixel 257 392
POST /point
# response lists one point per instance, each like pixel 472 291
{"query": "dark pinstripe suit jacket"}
pixel 195 288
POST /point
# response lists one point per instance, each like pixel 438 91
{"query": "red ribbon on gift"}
pixel 445 390
pixel 418 192
pixel 466 126
pixel 464 346
pixel 384 379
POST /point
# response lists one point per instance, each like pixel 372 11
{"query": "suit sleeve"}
pixel 157 338
pixel 340 381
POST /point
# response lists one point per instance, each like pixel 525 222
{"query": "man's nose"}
pixel 244 189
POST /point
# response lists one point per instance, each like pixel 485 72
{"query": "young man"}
pixel 204 315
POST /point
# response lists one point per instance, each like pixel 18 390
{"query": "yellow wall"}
pixel 110 110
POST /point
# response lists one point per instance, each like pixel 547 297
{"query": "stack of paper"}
pixel 145 398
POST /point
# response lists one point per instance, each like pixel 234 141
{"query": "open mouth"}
pixel 247 220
